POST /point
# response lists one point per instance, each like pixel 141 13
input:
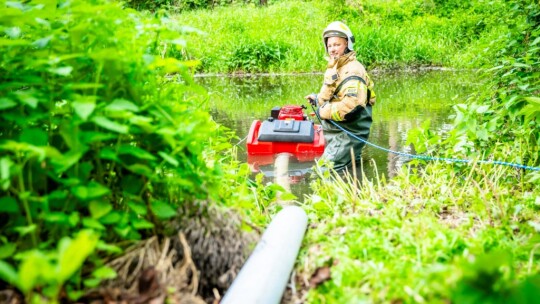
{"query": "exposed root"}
pixel 219 248
pixel 146 273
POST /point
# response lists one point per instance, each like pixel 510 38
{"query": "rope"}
pixel 427 157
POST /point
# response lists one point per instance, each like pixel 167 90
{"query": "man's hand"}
pixel 312 98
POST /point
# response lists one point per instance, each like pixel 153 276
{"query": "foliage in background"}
pixel 509 112
pixel 502 121
pixel 254 39
pixel 187 5
pixel 97 147
pixel 389 34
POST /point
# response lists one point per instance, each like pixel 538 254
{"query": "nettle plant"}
pixel 510 111
pixel 96 146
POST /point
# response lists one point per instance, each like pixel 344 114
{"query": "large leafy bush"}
pixel 94 141
pixel 509 112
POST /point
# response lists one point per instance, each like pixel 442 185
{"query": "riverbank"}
pixel 374 71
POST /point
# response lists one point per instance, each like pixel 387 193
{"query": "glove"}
pixel 312 98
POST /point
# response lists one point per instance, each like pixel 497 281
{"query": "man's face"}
pixel 336 46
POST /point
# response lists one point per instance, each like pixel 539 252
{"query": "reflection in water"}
pixel 404 102
pixel 392 145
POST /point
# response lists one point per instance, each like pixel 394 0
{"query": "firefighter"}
pixel 346 97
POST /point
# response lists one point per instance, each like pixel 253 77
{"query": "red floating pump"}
pixel 287 130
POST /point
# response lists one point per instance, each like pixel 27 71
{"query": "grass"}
pixel 413 239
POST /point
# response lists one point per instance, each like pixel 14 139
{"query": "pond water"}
pixel 404 101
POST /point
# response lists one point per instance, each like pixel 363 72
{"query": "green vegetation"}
pixel 98 150
pixel 285 37
pixel 187 5
pixel 428 235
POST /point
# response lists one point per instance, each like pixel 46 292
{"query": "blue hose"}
pixel 426 157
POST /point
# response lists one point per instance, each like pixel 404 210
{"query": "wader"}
pixel 338 143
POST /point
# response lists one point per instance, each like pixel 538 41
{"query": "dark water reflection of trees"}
pixel 404 102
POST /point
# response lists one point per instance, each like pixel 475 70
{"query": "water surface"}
pixel 404 102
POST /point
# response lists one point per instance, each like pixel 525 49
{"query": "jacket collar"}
pixel 341 60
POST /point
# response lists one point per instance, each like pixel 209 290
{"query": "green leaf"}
pixel 74 295
pixel 533 99
pixel 84 86
pixel 67 160
pixel 5 169
pixel 143 122
pixel 12 42
pixel 13 32
pixel 320 206
pixel 62 71
pixel 74 219
pixel 162 210
pixel 72 253
pixel 104 272
pixel 288 196
pixel 111 218
pixel 84 108
pixel 535 225
pixel 171 160
pixel 35 264
pixel 141 224
pixel 56 217
pixel 521 65
pixel 9 205
pixel 89 137
pixel 9 274
pixel 7 250
pixel 26 97
pixel 92 282
pixel 24 230
pixel 139 209
pixel 108 248
pixel 482 109
pixel 136 151
pixel 92 223
pixel 99 208
pixel 6 103
pixel 34 136
pixel 42 42
pixel 70 136
pixel 122 105
pixel 110 125
pixel 92 191
pixel 110 154
pixel 141 169
pixel 123 231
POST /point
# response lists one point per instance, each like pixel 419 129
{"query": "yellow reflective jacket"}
pixel 346 87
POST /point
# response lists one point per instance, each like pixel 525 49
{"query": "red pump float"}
pixel 287 130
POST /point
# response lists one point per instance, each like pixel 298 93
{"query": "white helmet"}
pixel 338 29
